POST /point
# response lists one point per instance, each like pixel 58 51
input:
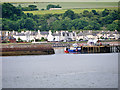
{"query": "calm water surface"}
pixel 61 71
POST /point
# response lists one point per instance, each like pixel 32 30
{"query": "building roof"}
pixel 20 34
pixel 54 34
pixel 44 33
pixel 80 34
pixel 111 35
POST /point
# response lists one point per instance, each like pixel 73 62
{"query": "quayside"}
pixel 23 49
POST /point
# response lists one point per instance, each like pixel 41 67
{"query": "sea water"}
pixel 61 71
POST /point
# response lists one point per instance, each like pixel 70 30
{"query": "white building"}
pixel 25 36
pixel 55 8
pixel 62 35
pixel 43 34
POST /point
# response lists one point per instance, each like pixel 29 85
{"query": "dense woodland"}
pixel 13 18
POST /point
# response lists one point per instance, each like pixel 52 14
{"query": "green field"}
pixel 77 7
pixel 62 11
pixel 68 5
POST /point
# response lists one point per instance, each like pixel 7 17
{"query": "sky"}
pixel 59 0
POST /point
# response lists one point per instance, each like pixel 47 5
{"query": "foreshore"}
pixel 25 49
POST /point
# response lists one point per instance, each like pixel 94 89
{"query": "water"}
pixel 61 71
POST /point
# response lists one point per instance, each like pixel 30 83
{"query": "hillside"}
pixel 63 11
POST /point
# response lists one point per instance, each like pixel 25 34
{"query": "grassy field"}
pixel 62 11
pixel 68 5
pixel 77 7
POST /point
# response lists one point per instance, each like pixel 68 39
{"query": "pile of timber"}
pixel 30 49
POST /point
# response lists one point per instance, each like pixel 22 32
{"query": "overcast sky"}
pixel 59 0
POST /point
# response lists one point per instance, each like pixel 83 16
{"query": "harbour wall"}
pixel 25 49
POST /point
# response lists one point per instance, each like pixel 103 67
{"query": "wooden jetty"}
pixel 115 48
pixel 100 49
pixel 23 49
pixel 104 48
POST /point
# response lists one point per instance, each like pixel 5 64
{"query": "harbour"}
pixel 62 70
pixel 47 49
pixel 59 45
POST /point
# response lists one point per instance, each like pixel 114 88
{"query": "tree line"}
pixel 53 6
pixel 29 8
pixel 13 18
pixel 34 7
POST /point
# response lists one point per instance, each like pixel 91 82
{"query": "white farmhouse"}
pixel 55 8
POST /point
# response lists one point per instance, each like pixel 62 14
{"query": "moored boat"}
pixel 73 50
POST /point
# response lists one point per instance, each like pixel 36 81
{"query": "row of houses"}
pixel 60 35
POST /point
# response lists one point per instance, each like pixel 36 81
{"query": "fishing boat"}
pixel 74 49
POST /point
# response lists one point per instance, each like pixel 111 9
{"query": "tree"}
pixel 92 26
pixel 53 6
pixel 29 14
pixel 9 11
pixel 10 25
pixel 43 39
pixel 94 11
pixel 114 14
pixel 33 7
pixel 105 12
pixel 89 27
pixel 14 25
pixel 5 24
pixel 70 14
pixel 20 40
pixel 21 23
pixel 42 9
pixel 50 20
pixel 106 20
pixel 56 25
pixel 113 26
pixel 30 24
pixel 85 13
pixel 79 24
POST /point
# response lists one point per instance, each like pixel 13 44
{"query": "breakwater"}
pixel 26 49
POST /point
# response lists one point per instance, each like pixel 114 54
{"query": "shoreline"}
pixel 19 49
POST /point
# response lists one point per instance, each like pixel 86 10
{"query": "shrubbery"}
pixel 52 6
pixel 88 20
